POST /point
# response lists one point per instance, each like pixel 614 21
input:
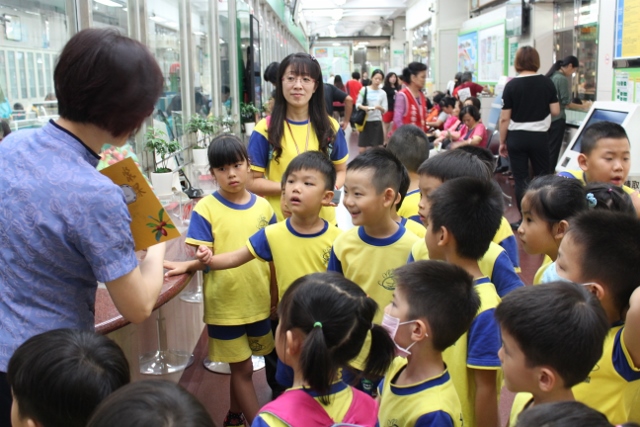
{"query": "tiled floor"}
pixel 213 389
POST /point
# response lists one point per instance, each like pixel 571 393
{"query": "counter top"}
pixel 107 317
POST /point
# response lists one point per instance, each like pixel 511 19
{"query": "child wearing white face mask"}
pixel 433 305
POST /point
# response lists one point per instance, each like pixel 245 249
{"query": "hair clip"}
pixel 609 190
pixel 591 200
pixel 313 58
pixel 317 325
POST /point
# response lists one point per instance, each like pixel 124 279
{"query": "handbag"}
pixel 360 116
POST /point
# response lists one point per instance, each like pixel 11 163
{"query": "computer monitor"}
pixel 623 113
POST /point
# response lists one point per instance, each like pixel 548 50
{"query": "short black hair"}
pixel 158 403
pixel 467 76
pixel 443 294
pixel 471 210
pixel 554 198
pixel 271 73
pixel 405 182
pixel 448 101
pixel 611 197
pixel 557 324
pixel 108 80
pixel 59 377
pixel 562 414
pixel 598 131
pixel 386 168
pixel 410 145
pixel 610 244
pixel 315 161
pixel 226 149
pixel 455 164
pixel 482 153
pixel 474 101
pixel 355 75
pixel 437 97
pixel 225 89
pixel 470 110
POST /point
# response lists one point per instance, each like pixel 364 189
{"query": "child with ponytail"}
pixel 547 206
pixel 324 319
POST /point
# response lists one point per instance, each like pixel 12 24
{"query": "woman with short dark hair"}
pixel 67 226
pixel 529 101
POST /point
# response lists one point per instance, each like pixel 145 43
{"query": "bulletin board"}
pixel 333 60
pixel 627 85
pixel 468 53
pixel 491 46
pixel 627 30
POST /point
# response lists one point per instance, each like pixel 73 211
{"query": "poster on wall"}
pixel 627 85
pixel 333 60
pixel 627 30
pixel 491 54
pixel 468 53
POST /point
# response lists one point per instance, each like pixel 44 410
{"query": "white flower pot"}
pixel 200 157
pixel 162 183
pixel 248 128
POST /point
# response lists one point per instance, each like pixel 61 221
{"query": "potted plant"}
pixel 248 114
pixel 162 176
pixel 202 128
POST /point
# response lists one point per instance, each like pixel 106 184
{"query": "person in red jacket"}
pixel 353 86
pixel 467 88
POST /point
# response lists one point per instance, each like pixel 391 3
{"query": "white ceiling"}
pixel 351 17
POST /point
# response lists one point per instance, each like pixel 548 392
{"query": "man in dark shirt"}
pixel 333 94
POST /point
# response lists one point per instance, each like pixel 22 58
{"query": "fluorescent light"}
pixel 109 3
pixel 336 14
pixel 339 2
pixel 336 44
pixel 32 13
pixel 126 9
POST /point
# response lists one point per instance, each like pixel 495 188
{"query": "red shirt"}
pixel 353 88
pixel 475 89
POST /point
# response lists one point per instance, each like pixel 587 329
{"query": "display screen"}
pixel 600 116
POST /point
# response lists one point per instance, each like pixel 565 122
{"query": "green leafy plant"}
pixel 248 112
pixel 158 142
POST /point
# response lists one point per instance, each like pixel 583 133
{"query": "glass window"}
pixel 202 72
pixel 23 74
pixel 32 74
pixel 37 31
pixel 225 66
pixel 110 13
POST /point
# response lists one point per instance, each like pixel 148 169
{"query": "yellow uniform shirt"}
pixel 409 208
pixel 370 262
pixel 505 238
pixel 240 295
pixel 546 262
pixel 430 403
pixel 613 386
pixel 417 229
pixel 293 254
pixel 495 264
pixel 520 402
pixel 476 349
pixel 293 143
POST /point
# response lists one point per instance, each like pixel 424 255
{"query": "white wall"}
pixel 450 14
pixel 606 28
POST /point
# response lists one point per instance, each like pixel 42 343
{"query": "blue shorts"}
pixel 236 343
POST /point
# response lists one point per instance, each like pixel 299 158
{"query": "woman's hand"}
pixel 503 150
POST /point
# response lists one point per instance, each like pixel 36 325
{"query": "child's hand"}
pixel 204 254
pixel 175 268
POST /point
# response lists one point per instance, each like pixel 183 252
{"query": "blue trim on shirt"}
pixel 96 155
pixel 484 340
pixel 434 419
pixel 260 245
pixel 306 236
pixel 417 388
pixel 334 263
pixel 412 192
pixel 258 150
pixel 481 281
pixel 566 174
pixel 273 219
pixel 227 203
pixel 336 387
pixel 510 245
pixel 503 275
pixel 410 259
pixel 200 228
pixel 340 148
pixel 620 362
pixel 374 241
pixel 416 218
pixel 303 122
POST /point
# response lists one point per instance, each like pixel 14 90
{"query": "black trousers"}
pixel 270 366
pixel 556 136
pixel 525 147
